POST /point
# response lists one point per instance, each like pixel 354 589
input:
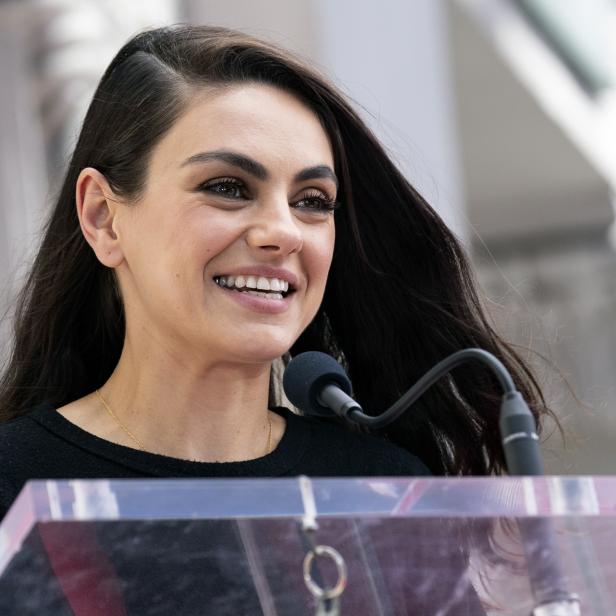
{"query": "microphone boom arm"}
pixel 428 379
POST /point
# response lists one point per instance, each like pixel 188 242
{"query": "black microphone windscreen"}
pixel 307 374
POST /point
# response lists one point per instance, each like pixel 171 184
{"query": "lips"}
pixel 264 302
pixel 264 289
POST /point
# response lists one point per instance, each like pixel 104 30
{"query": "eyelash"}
pixel 324 205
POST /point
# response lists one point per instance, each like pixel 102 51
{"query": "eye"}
pixel 229 188
pixel 317 202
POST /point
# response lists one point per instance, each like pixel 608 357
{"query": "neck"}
pixel 217 413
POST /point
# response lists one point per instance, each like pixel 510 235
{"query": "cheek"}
pixel 320 256
pixel 199 240
pixel 213 231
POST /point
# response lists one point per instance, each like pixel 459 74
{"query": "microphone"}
pixel 318 385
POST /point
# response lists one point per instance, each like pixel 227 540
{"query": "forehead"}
pixel 259 120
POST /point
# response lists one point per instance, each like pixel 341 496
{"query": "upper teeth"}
pixel 254 282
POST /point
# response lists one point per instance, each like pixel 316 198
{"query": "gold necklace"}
pixel 140 444
pixel 117 420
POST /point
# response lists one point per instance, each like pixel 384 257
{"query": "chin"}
pixel 263 348
pixel 263 353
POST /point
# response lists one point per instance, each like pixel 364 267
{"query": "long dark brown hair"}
pixel 400 294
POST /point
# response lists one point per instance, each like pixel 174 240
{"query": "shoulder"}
pixel 335 449
pixel 20 444
pixel 23 433
pixel 16 434
pixel 29 449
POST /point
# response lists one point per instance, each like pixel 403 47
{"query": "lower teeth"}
pixel 265 295
pixel 270 295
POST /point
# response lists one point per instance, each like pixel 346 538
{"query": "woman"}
pixel 208 164
pixel 194 242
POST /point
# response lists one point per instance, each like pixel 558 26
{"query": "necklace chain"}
pixel 140 444
pixel 117 420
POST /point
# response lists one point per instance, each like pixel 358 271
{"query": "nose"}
pixel 274 229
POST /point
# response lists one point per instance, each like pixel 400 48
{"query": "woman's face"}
pixel 227 252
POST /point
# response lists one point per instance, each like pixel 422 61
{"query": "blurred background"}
pixel 501 112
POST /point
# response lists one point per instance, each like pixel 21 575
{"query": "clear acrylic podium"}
pixel 236 546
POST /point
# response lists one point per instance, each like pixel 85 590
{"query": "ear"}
pixel 97 209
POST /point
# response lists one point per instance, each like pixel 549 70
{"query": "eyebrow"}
pixel 256 169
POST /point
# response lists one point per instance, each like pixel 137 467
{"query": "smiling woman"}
pixel 224 208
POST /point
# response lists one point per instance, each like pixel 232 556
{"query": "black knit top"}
pixel 45 445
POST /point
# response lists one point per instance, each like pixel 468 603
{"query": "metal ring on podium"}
pixel 313 587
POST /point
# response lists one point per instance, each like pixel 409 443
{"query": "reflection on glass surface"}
pixel 412 546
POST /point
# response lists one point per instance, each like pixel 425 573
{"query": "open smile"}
pixel 256 286
pixel 251 292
